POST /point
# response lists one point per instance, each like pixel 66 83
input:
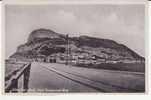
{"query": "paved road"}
pixel 48 77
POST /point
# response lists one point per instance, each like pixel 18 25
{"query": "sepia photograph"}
pixel 75 48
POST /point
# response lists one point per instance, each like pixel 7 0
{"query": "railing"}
pixel 12 84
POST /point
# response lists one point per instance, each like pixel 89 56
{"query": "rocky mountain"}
pixel 45 43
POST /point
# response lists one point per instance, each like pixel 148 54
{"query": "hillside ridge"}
pixel 44 43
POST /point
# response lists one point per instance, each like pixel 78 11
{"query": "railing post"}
pixel 14 85
pixel 26 78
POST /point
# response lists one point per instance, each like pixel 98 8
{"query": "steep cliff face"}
pixel 41 34
pixel 45 42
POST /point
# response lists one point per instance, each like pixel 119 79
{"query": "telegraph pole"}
pixel 67 49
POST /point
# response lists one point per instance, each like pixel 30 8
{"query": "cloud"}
pixel 66 16
pixel 68 22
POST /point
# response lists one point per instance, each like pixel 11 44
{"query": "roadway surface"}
pixel 52 77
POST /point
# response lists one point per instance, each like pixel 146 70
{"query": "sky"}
pixel 124 24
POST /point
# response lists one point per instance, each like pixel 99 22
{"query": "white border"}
pixel 68 3
pixel 29 2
